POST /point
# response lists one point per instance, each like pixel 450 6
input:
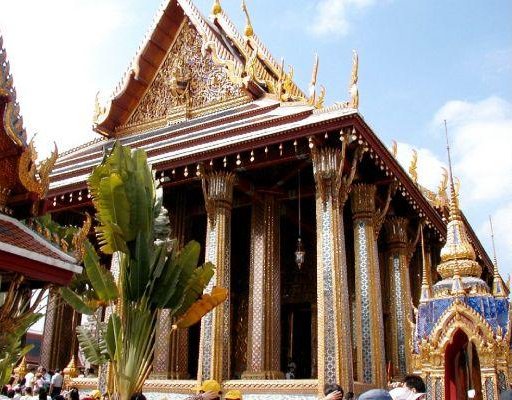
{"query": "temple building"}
pixel 341 267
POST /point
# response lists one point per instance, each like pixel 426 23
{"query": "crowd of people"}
pixel 412 387
pixel 37 383
pixel 40 384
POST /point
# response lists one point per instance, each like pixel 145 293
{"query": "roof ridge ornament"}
pixel 216 7
pixel 426 288
pixel 354 78
pixel 248 30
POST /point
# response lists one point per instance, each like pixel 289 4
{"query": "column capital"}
pixel 362 198
pixel 327 167
pixel 217 191
pixel 396 231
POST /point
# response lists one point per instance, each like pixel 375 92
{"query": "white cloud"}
pixel 53 52
pixel 331 16
pixel 481 134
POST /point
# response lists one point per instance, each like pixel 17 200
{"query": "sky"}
pixel 420 62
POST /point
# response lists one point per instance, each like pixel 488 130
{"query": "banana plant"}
pixel 16 316
pixel 153 275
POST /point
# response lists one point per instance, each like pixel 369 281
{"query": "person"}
pixel 29 395
pixel 412 388
pixel 74 394
pixel 333 392
pixel 30 378
pixel 43 394
pixel 233 395
pixel 506 395
pixel 208 390
pixel 349 396
pixel 17 392
pixel 138 396
pixel 56 384
pixel 375 394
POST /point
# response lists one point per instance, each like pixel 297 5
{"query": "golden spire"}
pixel 426 288
pixel 248 31
pixel 216 8
pixel 457 255
pixel 497 283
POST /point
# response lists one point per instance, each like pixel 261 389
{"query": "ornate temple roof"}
pixel 164 62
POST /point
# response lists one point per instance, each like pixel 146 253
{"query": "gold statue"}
pixel 353 90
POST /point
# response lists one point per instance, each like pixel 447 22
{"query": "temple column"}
pixel 369 327
pixel 171 347
pixel 264 331
pixel 334 333
pixel 58 327
pixel 214 345
pixel 400 307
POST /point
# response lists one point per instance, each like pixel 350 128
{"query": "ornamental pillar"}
pixel 171 347
pixel 214 349
pixel 400 307
pixel 59 328
pixel 334 334
pixel 264 331
pixel 369 327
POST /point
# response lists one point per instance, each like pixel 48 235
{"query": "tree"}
pixel 153 275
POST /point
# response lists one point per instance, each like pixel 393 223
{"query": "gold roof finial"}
pixel 426 288
pixel 413 167
pixel 248 31
pixel 497 283
pixel 394 148
pixel 216 8
pixel 457 255
pixel 354 78
pixel 312 84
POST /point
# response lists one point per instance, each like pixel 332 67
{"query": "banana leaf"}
pixel 76 301
pixel 101 279
pixel 92 346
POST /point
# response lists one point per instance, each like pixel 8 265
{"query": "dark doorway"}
pixel 296 339
pixel 462 369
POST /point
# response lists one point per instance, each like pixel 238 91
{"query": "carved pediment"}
pixel 188 83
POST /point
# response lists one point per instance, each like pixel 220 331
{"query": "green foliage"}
pixel 16 316
pixel 152 274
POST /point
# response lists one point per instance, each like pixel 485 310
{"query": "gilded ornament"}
pixel 413 167
pixel 80 237
pixel 353 89
pixel 248 30
pixel 394 148
pixel 216 8
pixel 36 178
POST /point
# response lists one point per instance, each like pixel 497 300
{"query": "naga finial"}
pixel 248 30
pixel 80 237
pixel 394 148
pixel 216 8
pixel 312 84
pixel 353 90
pixel 413 167
pixel 36 178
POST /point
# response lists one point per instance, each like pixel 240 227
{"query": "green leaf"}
pixel 101 279
pixel 113 335
pixel 75 301
pixel 92 346
pixel 195 287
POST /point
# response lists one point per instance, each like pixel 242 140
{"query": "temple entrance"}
pixel 462 369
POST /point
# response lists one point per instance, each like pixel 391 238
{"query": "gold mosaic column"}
pixel 369 327
pixel 264 333
pixel 399 295
pixel 168 362
pixel 214 345
pixel 334 333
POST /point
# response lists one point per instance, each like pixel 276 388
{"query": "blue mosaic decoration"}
pixel 489 390
pixel 502 382
pixel 365 303
pixel 400 315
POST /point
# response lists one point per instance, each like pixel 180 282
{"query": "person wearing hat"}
pixel 208 390
pixel 233 395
